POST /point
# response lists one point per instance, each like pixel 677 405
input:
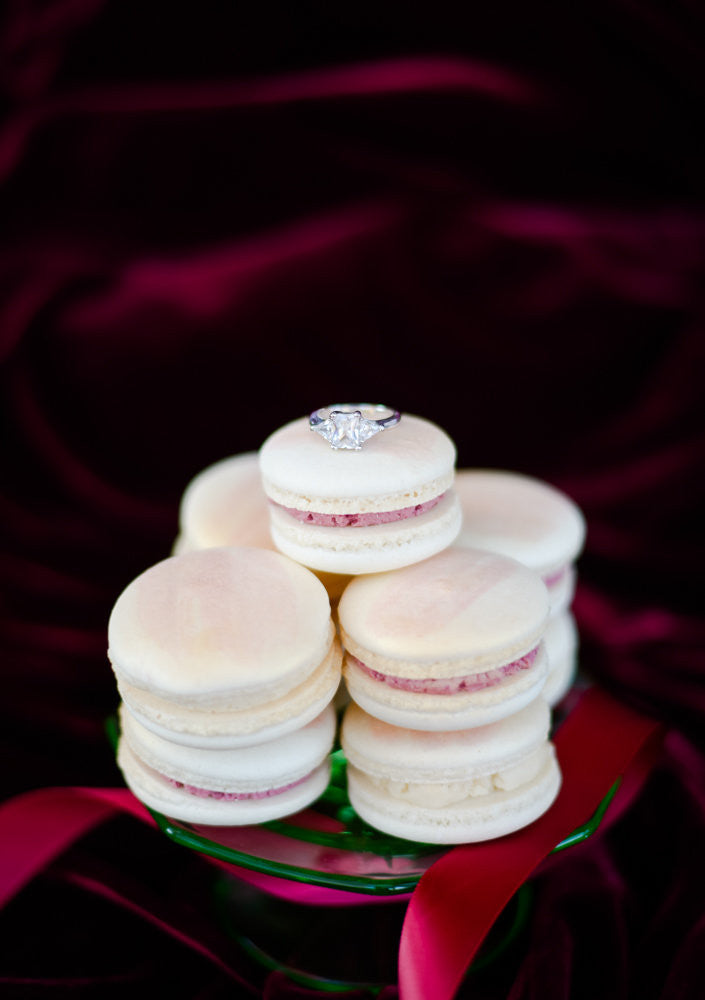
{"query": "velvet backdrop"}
pixel 218 217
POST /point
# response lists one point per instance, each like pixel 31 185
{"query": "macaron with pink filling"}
pixel 451 787
pixel 231 787
pixel 526 519
pixel 385 505
pixel 224 647
pixel 449 643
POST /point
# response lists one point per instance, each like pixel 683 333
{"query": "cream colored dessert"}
pixel 526 519
pixel 226 505
pixel 539 525
pixel 448 643
pixel 561 641
pixel 231 645
pixel 451 787
pixel 343 511
pixel 231 787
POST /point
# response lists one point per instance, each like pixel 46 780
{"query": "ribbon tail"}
pixel 37 826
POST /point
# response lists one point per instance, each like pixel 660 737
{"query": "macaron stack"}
pixel 540 526
pixel 227 661
pixel 447 737
pixel 443 646
pixel 454 592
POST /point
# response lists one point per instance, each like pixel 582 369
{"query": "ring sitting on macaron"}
pixel 360 501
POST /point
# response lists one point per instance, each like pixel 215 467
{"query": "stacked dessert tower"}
pixel 451 595
pixel 226 660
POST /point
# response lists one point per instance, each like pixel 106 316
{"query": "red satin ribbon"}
pixel 462 894
pixel 459 897
pixel 37 826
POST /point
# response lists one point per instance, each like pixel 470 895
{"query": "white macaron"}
pixel 224 647
pixel 451 787
pixel 452 642
pixel 387 505
pixel 227 787
pixel 526 519
pixel 561 641
pixel 226 505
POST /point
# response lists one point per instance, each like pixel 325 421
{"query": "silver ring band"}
pixel 349 425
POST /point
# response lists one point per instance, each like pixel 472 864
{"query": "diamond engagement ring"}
pixel 349 425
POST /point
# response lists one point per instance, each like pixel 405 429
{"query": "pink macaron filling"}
pixel 361 520
pixel 451 685
pixel 205 793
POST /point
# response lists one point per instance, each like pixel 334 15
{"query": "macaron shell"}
pixel 246 770
pixel 226 505
pixel 471 821
pixel 238 728
pixel 158 793
pixel 561 639
pixel 561 593
pixel 203 626
pixel 373 549
pixel 335 583
pixel 407 464
pixel 446 712
pixel 458 612
pixel 519 516
pixel 404 754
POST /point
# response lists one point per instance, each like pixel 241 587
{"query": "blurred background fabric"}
pixel 217 218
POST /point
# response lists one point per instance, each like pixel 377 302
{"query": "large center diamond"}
pixel 348 430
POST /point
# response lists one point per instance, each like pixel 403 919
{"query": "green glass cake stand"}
pixel 329 846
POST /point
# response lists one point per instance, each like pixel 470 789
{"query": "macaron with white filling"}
pixel 224 647
pixel 225 504
pixel 451 787
pixel 227 787
pixel 452 642
pixel 526 519
pixel 389 504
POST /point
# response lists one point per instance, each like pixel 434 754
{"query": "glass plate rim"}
pixel 377 885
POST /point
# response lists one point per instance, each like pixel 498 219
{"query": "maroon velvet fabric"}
pixel 217 218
